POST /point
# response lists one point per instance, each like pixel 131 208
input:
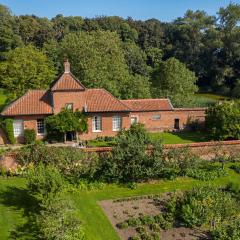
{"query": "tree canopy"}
pixel 124 55
pixel 174 81
pixel 26 68
pixel 223 120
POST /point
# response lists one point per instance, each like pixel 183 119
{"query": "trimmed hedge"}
pixel 7 126
pixel 29 136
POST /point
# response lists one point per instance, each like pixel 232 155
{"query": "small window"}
pixel 69 106
pixel 117 123
pixel 40 126
pixel 134 120
pixel 18 128
pixel 156 117
pixel 97 123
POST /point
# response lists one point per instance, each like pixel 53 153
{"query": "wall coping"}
pixel 174 146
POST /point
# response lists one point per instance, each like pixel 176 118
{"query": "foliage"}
pixel 175 81
pixel 71 162
pixel 207 206
pixel 8 38
pixel 66 121
pixel 129 161
pixel 44 181
pixel 58 220
pixel 97 55
pixel 26 68
pixel 29 136
pixel 222 120
pixel 7 126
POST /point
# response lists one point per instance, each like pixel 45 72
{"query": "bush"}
pixel 206 205
pixel 58 220
pixel 71 162
pixel 7 126
pixel 223 120
pixel 130 161
pixel 44 182
pixel 29 136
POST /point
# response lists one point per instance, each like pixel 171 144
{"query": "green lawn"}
pixel 15 203
pixel 165 137
pixel 179 137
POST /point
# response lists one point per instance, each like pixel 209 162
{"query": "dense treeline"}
pixel 130 58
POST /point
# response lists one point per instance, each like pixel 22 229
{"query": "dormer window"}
pixel 69 106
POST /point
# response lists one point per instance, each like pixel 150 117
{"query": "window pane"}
pixel 97 123
pixel 40 126
pixel 18 128
pixel 117 123
pixel 134 120
pixel 69 106
pixel 156 117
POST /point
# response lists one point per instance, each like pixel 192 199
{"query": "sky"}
pixel 164 10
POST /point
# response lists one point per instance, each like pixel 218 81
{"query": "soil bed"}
pixel 121 210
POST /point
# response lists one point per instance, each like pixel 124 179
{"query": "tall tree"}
pixel 8 38
pixel 26 68
pixel 97 60
pixel 172 79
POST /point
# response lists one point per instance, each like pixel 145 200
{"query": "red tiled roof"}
pixel 100 100
pixel 67 82
pixel 33 102
pixel 139 105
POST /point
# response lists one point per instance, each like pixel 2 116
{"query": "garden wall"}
pixel 203 149
pixel 206 150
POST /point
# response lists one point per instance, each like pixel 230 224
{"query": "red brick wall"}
pixel 30 122
pixel 107 119
pixel 166 121
pixel 60 99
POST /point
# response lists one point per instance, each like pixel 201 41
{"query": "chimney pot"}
pixel 66 66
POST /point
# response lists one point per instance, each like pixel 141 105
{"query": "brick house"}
pixel 107 115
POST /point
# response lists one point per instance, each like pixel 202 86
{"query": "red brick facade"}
pixel 155 114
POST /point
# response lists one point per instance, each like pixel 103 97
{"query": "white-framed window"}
pixel 18 128
pixel 117 123
pixel 156 117
pixel 40 127
pixel 134 120
pixel 97 123
pixel 69 106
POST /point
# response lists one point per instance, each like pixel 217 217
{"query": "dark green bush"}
pixel 7 126
pixel 223 120
pixel 130 161
pixel 29 136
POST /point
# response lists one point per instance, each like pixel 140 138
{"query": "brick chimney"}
pixel 66 66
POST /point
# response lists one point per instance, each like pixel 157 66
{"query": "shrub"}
pixel 58 220
pixel 227 231
pixel 29 136
pixel 7 126
pixel 130 161
pixel 223 120
pixel 122 225
pixel 71 162
pixel 206 205
pixel 44 181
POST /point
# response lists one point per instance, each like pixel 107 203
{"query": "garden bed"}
pixel 123 210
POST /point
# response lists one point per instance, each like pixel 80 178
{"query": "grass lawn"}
pixel 14 203
pixel 165 137
pixel 179 137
